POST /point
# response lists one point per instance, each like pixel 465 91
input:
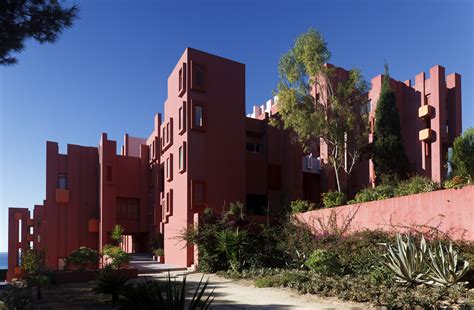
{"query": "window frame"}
pixel 182 119
pixel 203 185
pixel 182 78
pixel 169 168
pixel 194 85
pixel 182 157
pixel 62 176
pixel 203 107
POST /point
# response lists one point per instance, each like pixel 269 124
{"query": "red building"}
pixel 205 153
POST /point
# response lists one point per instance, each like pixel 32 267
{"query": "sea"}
pixel 3 260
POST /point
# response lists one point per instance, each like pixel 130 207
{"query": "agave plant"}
pixel 168 295
pixel 110 282
pixel 446 268
pixel 407 260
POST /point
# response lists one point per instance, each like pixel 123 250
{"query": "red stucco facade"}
pixel 202 153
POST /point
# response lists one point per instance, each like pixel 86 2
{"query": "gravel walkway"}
pixel 242 294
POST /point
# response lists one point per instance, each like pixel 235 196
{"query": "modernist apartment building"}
pixel 204 152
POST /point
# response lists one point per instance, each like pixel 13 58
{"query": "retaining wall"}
pixel 450 211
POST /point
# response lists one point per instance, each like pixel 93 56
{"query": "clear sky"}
pixel 108 73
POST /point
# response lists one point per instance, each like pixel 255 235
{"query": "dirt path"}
pixel 242 294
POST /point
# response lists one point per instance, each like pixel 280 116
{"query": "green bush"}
pixel 456 182
pixel 118 256
pixel 116 234
pixel 268 281
pixel 415 185
pixel 82 258
pixel 324 262
pixel 110 282
pixel 333 199
pixel 299 206
pixel 159 252
pixel 379 192
pixel 461 158
pixel 16 297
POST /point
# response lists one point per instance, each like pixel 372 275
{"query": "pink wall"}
pixel 451 210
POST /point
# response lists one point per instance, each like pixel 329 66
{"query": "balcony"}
pixel 62 195
pixel 425 135
pixel 30 222
pixel 425 112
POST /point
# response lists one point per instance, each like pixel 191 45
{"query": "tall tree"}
pixel 336 117
pixel 462 155
pixel 389 157
pixel 42 20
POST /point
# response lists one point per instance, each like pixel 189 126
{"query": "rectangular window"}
pixel 163 136
pixel 169 168
pixel 198 77
pixel 182 80
pixel 182 118
pixel 198 116
pixel 182 158
pixel 198 194
pixel 168 132
pixel 127 208
pixel 62 181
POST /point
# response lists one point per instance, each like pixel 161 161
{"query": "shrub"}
pixel 116 234
pixel 333 199
pixel 118 256
pixel 16 297
pixel 169 295
pixel 415 185
pixel 379 192
pixel 299 206
pixel 456 182
pixel 324 262
pixel 82 258
pixel 295 242
pixel 160 252
pixel 110 282
pixel 462 155
pixel 233 243
pixel 268 281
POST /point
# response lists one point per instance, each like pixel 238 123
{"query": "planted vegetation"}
pixel 330 261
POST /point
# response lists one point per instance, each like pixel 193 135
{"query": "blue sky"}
pixel 108 73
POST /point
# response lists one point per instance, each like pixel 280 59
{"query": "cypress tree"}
pixel 389 157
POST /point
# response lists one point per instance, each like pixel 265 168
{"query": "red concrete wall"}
pixel 123 177
pixel 451 210
pixel 65 225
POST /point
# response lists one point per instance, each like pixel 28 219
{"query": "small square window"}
pixel 62 181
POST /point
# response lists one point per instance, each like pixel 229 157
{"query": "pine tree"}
pixel 389 157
